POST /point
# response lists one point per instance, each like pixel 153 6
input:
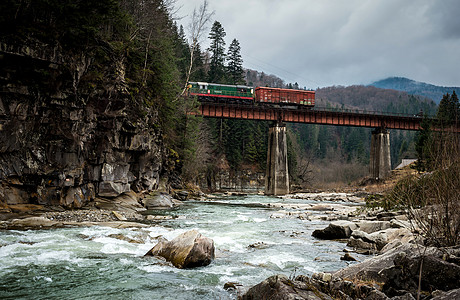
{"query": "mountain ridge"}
pixel 413 87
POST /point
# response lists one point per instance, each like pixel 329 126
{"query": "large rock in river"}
pixel 188 250
pixel 336 230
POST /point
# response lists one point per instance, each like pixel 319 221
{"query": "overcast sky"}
pixel 321 43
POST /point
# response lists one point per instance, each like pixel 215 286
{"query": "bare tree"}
pixel 198 24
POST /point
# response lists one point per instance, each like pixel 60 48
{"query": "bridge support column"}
pixel 380 163
pixel 277 175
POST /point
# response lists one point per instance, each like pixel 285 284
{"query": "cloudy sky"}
pixel 321 43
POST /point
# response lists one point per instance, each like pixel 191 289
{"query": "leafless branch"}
pixel 198 23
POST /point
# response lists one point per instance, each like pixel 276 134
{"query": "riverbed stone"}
pixel 32 222
pixel 281 287
pixel 336 230
pixel 188 250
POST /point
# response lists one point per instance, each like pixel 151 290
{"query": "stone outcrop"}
pixel 393 275
pixel 65 141
pixel 188 250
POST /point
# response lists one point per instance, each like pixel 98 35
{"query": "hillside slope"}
pixel 370 98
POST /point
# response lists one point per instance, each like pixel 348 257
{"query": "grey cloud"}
pixel 335 42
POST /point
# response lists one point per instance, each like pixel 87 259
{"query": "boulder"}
pixel 347 257
pixel 181 195
pixel 112 189
pixel 362 240
pixel 341 288
pixel 453 294
pixel 188 250
pixel 396 237
pixel 359 245
pixel 13 195
pixel 281 287
pixel 77 197
pixel 335 230
pixel 4 207
pixel 126 202
pixel 33 222
pixel 119 216
pixel 395 223
pixel 371 269
pixel 437 274
pixel 373 226
pixel 160 201
pixel 25 208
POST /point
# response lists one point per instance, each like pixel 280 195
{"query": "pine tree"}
pixel 217 48
pixel 182 50
pixel 235 63
pixel 423 142
pixel 448 110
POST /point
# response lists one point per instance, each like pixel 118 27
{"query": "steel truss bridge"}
pixel 323 116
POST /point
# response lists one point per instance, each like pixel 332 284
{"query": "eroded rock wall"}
pixel 65 141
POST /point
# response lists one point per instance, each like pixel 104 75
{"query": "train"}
pixel 241 94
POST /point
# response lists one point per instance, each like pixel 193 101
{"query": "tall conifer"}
pixel 217 48
pixel 235 63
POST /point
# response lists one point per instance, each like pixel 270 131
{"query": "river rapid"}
pixel 108 263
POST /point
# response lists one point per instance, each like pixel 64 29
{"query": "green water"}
pixel 91 263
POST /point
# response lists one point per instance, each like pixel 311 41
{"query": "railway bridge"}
pixel 277 177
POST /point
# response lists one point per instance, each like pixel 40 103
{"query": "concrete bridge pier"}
pixel 277 174
pixel 380 163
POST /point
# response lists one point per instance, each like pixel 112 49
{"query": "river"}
pixel 108 263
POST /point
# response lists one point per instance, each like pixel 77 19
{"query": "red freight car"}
pixel 285 96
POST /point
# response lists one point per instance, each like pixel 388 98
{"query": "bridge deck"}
pixel 310 116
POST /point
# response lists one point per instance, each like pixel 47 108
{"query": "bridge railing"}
pixel 369 112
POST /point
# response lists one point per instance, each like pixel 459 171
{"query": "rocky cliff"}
pixel 69 134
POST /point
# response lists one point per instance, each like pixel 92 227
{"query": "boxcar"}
pixel 285 96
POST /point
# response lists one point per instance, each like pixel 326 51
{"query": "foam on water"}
pixel 94 262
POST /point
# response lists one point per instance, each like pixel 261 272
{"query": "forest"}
pixel 156 57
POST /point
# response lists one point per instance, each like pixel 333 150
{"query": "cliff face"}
pixel 63 139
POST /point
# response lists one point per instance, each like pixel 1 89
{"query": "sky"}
pixel 320 43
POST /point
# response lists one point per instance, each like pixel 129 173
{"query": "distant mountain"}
pixel 412 87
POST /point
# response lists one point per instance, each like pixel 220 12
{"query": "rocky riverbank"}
pixel 125 210
pixel 391 272
pixel 398 259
